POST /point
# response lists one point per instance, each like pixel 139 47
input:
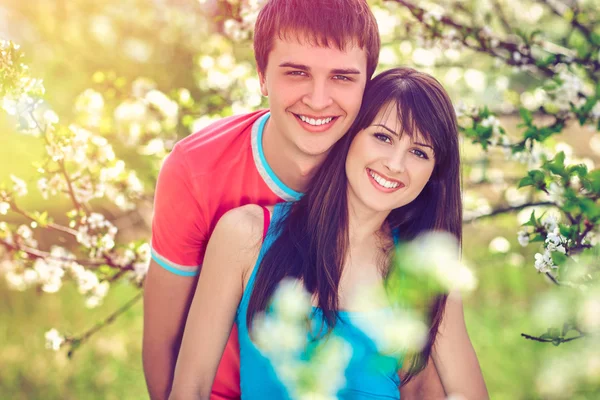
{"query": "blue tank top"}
pixel 369 374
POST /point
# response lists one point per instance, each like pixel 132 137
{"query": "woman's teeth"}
pixel 383 182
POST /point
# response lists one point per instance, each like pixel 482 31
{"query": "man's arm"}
pixel 167 298
pixel 179 228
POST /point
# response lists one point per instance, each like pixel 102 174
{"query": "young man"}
pixel 314 69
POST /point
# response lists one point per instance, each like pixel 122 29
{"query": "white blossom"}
pixel 26 235
pixel 87 281
pixel 4 207
pixel 523 238
pixel 555 241
pixel 556 193
pixel 550 221
pixel 543 262
pixel 19 186
pixel 54 340
pixel 50 274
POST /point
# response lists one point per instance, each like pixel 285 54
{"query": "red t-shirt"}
pixel 207 174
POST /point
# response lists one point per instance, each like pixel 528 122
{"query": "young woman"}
pixel 400 177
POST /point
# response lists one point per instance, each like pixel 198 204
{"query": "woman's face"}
pixel 386 169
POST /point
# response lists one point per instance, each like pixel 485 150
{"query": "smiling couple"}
pixel 318 187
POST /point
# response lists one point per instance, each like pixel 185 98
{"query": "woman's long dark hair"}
pixel 312 240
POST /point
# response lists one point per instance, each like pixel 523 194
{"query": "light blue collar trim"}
pixel 265 171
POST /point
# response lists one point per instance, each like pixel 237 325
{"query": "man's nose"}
pixel 319 96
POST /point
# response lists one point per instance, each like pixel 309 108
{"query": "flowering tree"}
pixel 536 61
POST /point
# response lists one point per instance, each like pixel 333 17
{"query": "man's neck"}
pixel 294 168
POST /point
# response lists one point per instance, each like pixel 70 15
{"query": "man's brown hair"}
pixel 324 23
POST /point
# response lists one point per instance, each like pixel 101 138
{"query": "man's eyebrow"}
pixel 295 66
pixel 345 71
pixel 396 134
pixel 302 67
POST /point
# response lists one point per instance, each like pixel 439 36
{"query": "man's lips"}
pixel 313 123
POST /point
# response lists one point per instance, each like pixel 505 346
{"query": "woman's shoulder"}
pixel 244 221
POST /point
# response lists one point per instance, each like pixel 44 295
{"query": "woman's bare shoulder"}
pixel 241 227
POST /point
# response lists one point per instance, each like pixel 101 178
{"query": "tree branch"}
pixel 587 32
pixel 77 341
pixel 511 209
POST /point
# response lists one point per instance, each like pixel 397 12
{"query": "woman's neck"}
pixel 363 222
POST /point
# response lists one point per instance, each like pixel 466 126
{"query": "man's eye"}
pixel 297 73
pixel 383 137
pixel 342 78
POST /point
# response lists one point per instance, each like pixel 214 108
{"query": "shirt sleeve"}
pixel 179 230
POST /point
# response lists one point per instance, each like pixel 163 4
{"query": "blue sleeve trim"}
pixel 172 269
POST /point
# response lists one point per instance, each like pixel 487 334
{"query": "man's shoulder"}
pixel 223 130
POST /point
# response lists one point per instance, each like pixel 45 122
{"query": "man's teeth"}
pixel 383 182
pixel 315 122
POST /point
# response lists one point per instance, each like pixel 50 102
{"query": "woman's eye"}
pixel 383 137
pixel 420 154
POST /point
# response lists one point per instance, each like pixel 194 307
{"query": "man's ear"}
pixel 263 84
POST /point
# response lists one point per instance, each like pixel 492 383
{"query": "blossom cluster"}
pixel 282 334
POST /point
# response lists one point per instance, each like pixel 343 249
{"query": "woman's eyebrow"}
pixel 424 145
pixel 386 128
pixel 397 135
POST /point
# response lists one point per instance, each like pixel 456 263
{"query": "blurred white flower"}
pixel 291 301
pixel 137 49
pixel 49 274
pixel 475 79
pixel 4 207
pixel 167 107
pixel 275 336
pixel 90 106
pixel 589 313
pixel 437 253
pixel 499 245
pixel 543 262
pixel 424 57
pixel 19 186
pixel 556 193
pixel 551 220
pixel 54 340
pixel 523 238
pixel 97 294
pixel 515 197
pixel 87 281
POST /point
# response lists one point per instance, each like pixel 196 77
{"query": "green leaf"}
pixel 527 181
pixel 537 238
pixel 557 165
pixel 532 221
pixel 559 259
pixel 526 115
pixel 594 178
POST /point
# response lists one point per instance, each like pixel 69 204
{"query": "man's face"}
pixel 314 92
